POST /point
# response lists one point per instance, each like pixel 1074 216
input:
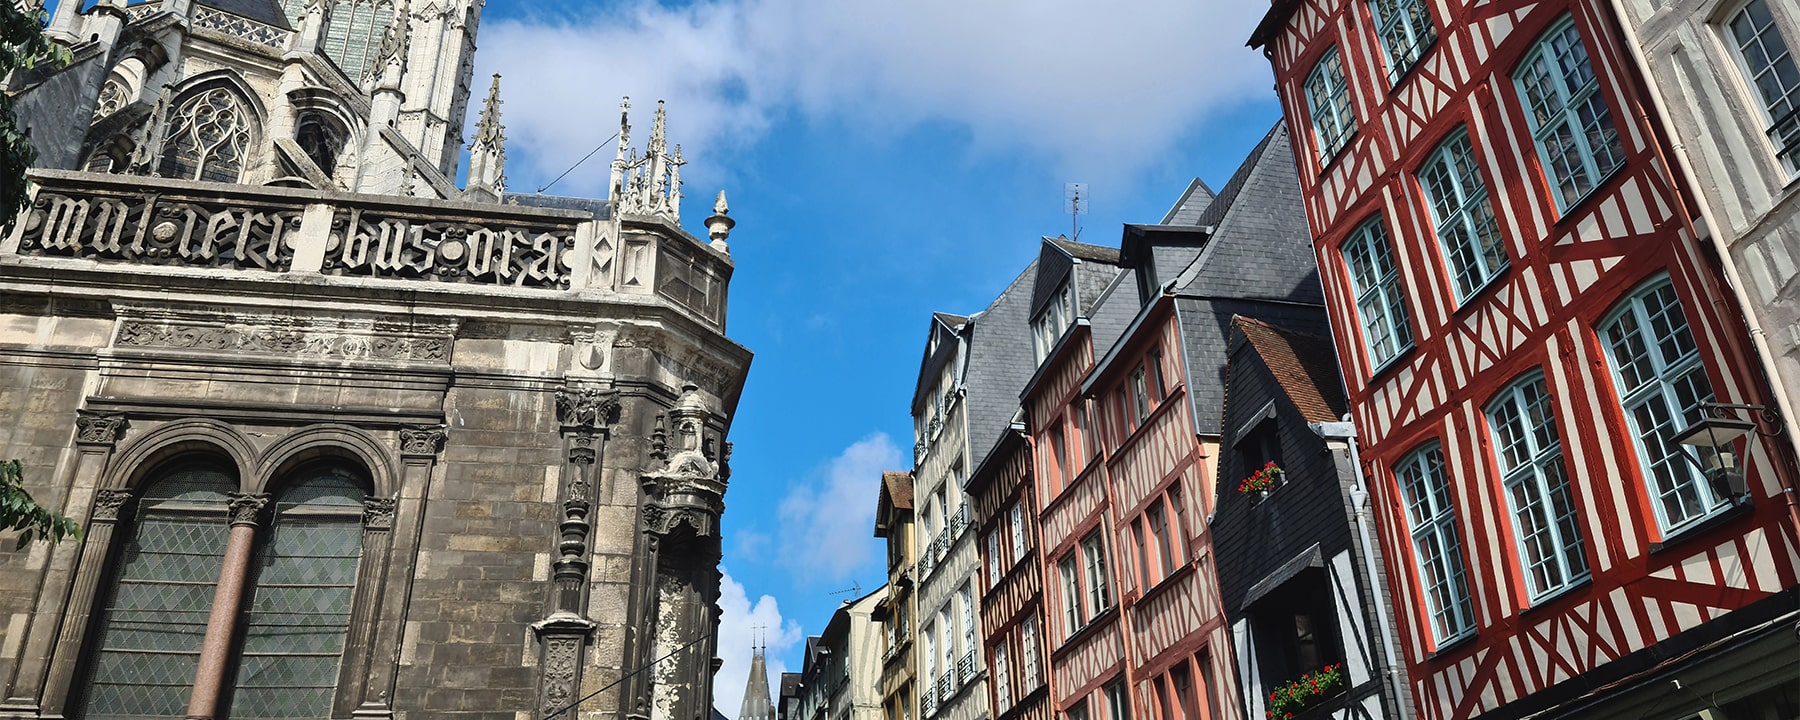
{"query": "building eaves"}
pixel 992 460
pixel 1055 357
pixel 1272 22
pixel 1085 252
pixel 1305 366
pixel 1112 353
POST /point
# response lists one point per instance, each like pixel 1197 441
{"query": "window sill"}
pixel 1391 363
pixel 1723 516
pixel 1453 646
pixel 1174 576
pixel 1486 288
pixel 1087 629
pixel 1548 599
pixel 1599 190
pixel 1326 164
pixel 1399 81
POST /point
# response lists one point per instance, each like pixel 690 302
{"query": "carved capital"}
pixel 586 407
pixel 378 514
pixel 421 440
pixel 247 508
pixel 93 428
pixel 109 505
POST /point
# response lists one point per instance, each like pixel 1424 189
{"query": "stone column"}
pixel 60 619
pixel 387 604
pixel 228 600
pixel 585 415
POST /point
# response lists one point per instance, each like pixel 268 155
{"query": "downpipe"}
pixel 1359 500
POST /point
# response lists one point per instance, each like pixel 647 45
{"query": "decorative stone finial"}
pixel 718 227
pixel 650 185
pixel 487 154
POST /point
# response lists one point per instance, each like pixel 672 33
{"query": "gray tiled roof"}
pixel 1000 363
pixel 1193 202
pixel 264 11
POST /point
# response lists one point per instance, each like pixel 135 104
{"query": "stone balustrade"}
pixel 316 237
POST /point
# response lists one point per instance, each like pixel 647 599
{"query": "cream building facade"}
pixel 349 440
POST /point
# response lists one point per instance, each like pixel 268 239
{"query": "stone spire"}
pixel 648 185
pixel 487 154
pixel 756 693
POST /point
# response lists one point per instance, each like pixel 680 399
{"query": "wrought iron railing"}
pixel 1785 133
pixel 965 668
pixel 946 684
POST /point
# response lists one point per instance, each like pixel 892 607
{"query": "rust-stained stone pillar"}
pixel 228 598
pixel 53 642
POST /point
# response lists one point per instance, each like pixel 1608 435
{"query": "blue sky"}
pixel 883 160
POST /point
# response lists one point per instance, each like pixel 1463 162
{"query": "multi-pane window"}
pixel 289 638
pixel 1029 655
pixel 1465 219
pixel 1071 594
pixel 1002 678
pixel 1379 302
pixel 208 138
pixel 1047 328
pixel 1405 29
pixel 993 557
pixel 1159 534
pixel 1328 100
pixel 1773 72
pixel 1436 546
pixel 965 603
pixel 1140 395
pixel 1118 704
pixel 1569 119
pixel 1016 522
pixel 1093 553
pixel 1537 487
pixel 1662 386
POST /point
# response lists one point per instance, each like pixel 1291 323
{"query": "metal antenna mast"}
pixel 1074 195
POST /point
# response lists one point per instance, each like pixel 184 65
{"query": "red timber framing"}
pixel 1087 644
pixel 1011 581
pixel 1160 479
pixel 1568 273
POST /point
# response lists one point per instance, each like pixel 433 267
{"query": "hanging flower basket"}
pixel 1305 692
pixel 1261 481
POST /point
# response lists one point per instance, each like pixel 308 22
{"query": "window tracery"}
pixel 208 139
pixel 113 95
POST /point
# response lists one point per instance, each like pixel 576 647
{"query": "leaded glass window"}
pixel 1662 386
pixel 1464 216
pixel 304 577
pixel 1405 29
pixel 354 34
pixel 208 138
pixel 1537 487
pixel 1379 302
pixel 1570 122
pixel 1772 71
pixel 1437 549
pixel 150 629
pixel 1328 100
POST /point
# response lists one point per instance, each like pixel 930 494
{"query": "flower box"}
pixel 1263 480
pixel 1301 694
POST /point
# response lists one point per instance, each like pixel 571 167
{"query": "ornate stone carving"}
pixel 422 439
pixel 586 407
pixel 109 505
pixel 247 508
pixel 689 487
pixel 650 185
pixel 237 26
pixel 583 447
pixel 282 341
pixel 378 514
pixel 521 255
pixel 147 228
pixel 98 428
pixel 562 657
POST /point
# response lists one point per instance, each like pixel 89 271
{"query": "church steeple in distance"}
pixel 756 692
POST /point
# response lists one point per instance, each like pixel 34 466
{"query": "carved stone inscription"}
pixel 365 243
pixel 154 230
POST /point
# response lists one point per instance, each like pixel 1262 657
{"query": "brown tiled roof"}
pixel 899 489
pixel 1089 253
pixel 1305 366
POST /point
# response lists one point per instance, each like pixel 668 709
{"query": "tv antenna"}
pixel 1075 203
pixel 854 589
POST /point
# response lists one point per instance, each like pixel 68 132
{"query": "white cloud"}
pixel 741 624
pixel 827 523
pixel 1098 89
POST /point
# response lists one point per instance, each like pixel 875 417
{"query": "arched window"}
pixel 150 629
pixel 320 140
pixel 208 138
pixel 289 636
pixel 113 95
pixel 304 577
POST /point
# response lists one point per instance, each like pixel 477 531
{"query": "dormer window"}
pixel 1056 317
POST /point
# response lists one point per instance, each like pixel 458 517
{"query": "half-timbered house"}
pixel 1532 338
pixel 1012 579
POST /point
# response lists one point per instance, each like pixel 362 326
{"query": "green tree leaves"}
pixel 22 47
pixel 19 512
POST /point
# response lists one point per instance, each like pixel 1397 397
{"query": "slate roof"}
pixel 263 11
pixel 1258 262
pixel 756 691
pixel 899 487
pixel 598 207
pixel 1193 202
pixel 1000 362
pixel 1305 366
